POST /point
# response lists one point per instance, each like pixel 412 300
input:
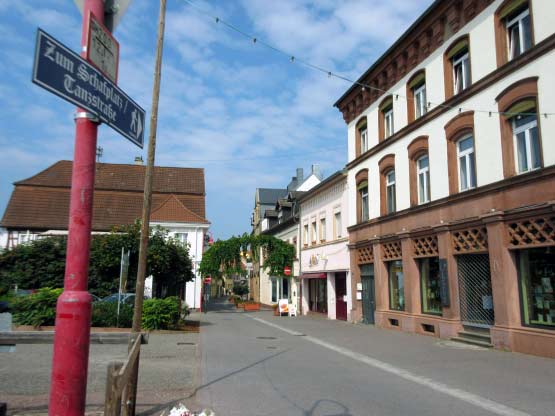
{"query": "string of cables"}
pixel 295 59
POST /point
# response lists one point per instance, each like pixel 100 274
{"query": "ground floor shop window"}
pixel 317 295
pixel 280 288
pixel 429 285
pixel 396 286
pixel 537 281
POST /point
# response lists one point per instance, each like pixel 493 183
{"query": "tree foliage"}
pixel 41 263
pixel 224 256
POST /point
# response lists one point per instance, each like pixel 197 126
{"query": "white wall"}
pixel 489 167
pixel 3 238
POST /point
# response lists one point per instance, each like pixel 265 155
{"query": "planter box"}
pixel 240 305
pixel 252 306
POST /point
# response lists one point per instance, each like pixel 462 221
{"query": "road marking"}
pixel 465 396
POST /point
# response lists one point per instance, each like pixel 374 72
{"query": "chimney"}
pixel 300 176
pixel 316 171
pixel 138 160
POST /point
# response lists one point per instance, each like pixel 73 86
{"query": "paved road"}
pixel 258 364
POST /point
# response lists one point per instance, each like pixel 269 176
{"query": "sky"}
pixel 247 115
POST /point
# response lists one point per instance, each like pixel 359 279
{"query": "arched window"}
pixel 386 124
pixel 388 185
pixel 514 33
pixel 457 71
pixel 417 104
pixel 419 171
pixel 361 136
pixel 461 158
pixel 363 201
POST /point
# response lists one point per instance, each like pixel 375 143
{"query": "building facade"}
pixel 451 175
pixel 325 278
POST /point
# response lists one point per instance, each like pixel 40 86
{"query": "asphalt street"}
pixel 258 364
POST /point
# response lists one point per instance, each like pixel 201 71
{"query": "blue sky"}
pixel 247 115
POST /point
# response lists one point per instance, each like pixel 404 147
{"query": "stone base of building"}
pixel 420 324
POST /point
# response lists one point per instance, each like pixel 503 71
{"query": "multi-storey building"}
pixel 325 280
pixel 451 171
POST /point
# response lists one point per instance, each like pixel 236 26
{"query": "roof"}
pixel 42 201
pixel 269 196
pixel 111 176
pixel 335 177
pixel 407 33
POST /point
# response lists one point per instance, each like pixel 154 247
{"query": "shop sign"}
pixel 444 283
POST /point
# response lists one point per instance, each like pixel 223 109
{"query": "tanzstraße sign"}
pixel 64 73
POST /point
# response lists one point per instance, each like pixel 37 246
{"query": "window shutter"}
pixel 457 48
pixel 511 7
pixel 386 104
pixel 363 184
pixel 418 80
pixel 525 106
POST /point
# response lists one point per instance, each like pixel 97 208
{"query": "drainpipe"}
pixel 196 277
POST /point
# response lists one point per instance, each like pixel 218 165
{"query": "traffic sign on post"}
pixel 102 49
pixel 64 73
pixel 114 10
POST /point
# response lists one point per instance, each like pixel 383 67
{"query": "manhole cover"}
pixel 186 343
pixel 266 338
pixel 300 335
pixel 271 348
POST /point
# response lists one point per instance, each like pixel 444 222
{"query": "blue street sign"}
pixel 64 73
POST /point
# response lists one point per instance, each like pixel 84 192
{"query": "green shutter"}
pixel 363 184
pixel 386 104
pixel 459 47
pixel 511 7
pixel 418 80
pixel 525 106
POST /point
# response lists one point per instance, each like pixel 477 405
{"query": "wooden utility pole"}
pixel 131 393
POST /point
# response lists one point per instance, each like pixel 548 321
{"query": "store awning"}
pixel 314 276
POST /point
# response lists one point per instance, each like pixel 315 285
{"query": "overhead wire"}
pixel 293 58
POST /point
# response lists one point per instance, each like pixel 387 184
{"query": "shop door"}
pixel 475 292
pixel 340 295
pixel 368 294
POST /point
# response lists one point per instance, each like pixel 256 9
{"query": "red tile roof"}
pixel 42 201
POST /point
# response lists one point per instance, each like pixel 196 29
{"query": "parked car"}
pixel 96 298
pixel 127 298
pixel 4 306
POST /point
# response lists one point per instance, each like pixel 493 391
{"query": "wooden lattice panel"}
pixel 425 246
pixel 392 251
pixel 532 232
pixel 365 255
pixel 471 240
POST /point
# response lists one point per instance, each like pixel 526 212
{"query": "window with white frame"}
pixel 526 142
pixel 390 191
pixel 305 234
pixel 363 192
pixel 519 32
pixel 420 100
pixel 423 174
pixel 313 231
pixel 388 122
pixel 363 140
pixel 322 229
pixel 467 163
pixel 181 238
pixel 461 71
pixel 337 224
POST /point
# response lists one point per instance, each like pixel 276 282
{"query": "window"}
pixel 429 286
pixel 181 238
pixel 461 71
pixel 420 107
pixel 423 174
pixel 305 235
pixel 390 190
pixel 388 119
pixel 519 33
pixel 526 142
pixel 274 290
pixel 337 225
pixel 536 269
pixel 467 163
pixel 363 192
pixel 322 230
pixel 313 231
pixel 364 140
pixel 396 286
pixel 457 69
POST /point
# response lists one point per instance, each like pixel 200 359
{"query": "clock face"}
pixel 103 50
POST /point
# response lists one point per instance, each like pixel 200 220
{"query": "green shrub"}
pixel 104 314
pixel 36 309
pixel 160 313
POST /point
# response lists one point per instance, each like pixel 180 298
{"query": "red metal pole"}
pixel 68 386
